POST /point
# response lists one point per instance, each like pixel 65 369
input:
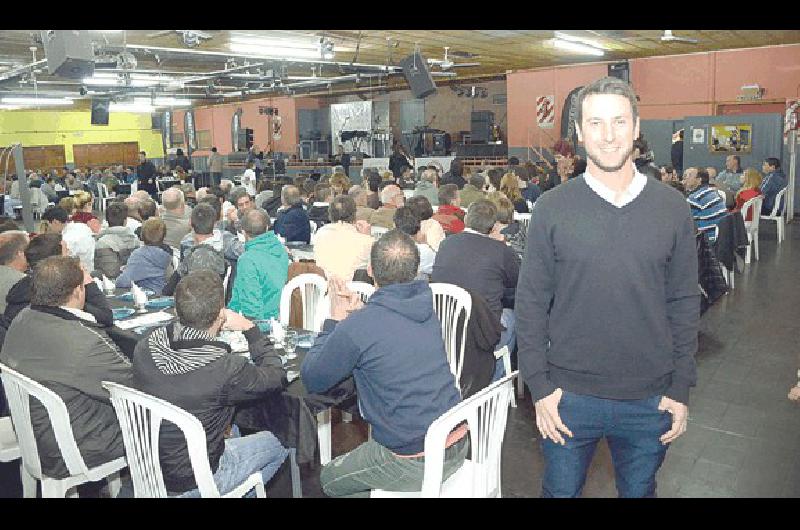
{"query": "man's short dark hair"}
pixel 154 230
pixel 456 167
pixel 54 280
pixel 237 193
pixel 212 201
pixel 199 297
pixel 448 194
pixel 773 162
pixel 477 180
pixel 11 243
pixel 421 206
pixel 738 161
pixel 481 216
pixel 43 246
pixel 142 153
pixel 513 161
pixel 255 222
pixel 394 258
pixel 55 213
pixel 204 217
pixel 147 209
pixel 407 221
pixel 703 175
pixel 342 208
pixel 213 149
pixel 218 192
pixel 680 134
pixel 495 177
pixel 116 213
pixel 606 85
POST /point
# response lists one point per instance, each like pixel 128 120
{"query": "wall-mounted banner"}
pixel 191 137
pixel 166 131
pixel 236 124
pixel 568 115
pixel 545 112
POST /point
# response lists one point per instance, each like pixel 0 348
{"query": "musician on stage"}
pixel 399 160
pixel 342 159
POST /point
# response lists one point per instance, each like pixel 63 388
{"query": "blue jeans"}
pixel 243 457
pixel 632 429
pixel 507 337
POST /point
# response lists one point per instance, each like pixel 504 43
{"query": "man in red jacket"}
pixel 450 215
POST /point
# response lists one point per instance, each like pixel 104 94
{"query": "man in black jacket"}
pixel 146 173
pixel 186 364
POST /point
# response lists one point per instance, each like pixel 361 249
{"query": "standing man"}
pixel 146 172
pixel 607 307
pixel 215 166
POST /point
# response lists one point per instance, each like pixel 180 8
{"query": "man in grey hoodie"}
pixel 115 243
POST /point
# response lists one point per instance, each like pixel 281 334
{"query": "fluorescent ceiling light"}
pixel 36 101
pixel 109 81
pixel 577 47
pixel 108 31
pixel 131 107
pixel 581 40
pixel 163 102
pixel 10 107
pixel 274 51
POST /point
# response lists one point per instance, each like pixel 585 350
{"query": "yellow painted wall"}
pixel 40 127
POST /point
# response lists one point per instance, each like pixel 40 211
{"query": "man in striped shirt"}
pixel 708 206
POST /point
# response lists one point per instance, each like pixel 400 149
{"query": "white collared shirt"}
pixel 83 315
pixel 631 192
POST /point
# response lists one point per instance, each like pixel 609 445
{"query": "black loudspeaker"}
pixel 245 139
pixel 415 70
pixel 481 126
pixel 620 71
pixel 69 53
pixel 156 120
pixel 100 111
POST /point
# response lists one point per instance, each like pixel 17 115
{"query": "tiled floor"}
pixel 743 433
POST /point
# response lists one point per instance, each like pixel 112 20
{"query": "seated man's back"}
pixel 188 366
pixel 58 345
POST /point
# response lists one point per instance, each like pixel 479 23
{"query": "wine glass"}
pixel 290 344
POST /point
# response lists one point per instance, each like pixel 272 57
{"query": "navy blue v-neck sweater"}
pixel 607 301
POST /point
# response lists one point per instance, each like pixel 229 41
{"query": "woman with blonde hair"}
pixel 750 188
pixel 83 211
pixel 68 205
pixel 509 185
pixel 340 183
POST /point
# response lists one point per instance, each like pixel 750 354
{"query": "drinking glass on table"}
pixel 290 344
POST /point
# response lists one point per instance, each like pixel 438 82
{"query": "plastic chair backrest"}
pixel 486 414
pixel 102 191
pixel 364 289
pixel 140 416
pixel 19 389
pixel 450 302
pixel 378 231
pixel 312 225
pixel 755 204
pixel 314 300
pixel 777 205
pixel 9 446
pixel 524 220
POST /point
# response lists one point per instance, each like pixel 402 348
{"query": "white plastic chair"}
pixel 102 196
pixel 524 220
pixel 140 416
pixel 753 205
pixel 450 302
pixel 19 390
pixel 316 306
pixel 363 289
pixel 9 451
pixel 378 231
pixel 777 217
pixel 486 414
pixel 313 226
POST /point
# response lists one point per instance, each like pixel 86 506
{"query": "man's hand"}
pixel 794 393
pixel 547 419
pixel 363 227
pixel 236 322
pixel 343 301
pixel 680 413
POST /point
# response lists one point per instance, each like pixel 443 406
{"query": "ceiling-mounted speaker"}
pixel 620 71
pixel 415 70
pixel 69 53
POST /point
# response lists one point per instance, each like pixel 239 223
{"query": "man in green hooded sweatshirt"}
pixel 261 271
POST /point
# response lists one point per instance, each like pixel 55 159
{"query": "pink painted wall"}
pixel 669 87
pixel 217 119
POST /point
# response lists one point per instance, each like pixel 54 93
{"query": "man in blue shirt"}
pixel 292 221
pixel 773 182
pixel 393 348
pixel 708 206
